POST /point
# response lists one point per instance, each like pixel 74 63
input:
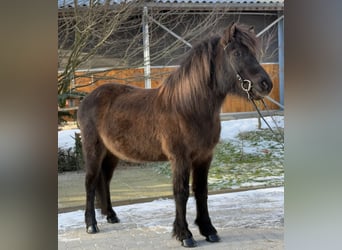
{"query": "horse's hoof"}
pixel 190 242
pixel 93 229
pixel 113 219
pixel 213 238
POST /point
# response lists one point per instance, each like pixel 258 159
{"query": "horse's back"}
pixel 124 119
pixel 95 104
pixel 102 94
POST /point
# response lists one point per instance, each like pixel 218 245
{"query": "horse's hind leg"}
pixel 103 192
pixel 93 158
pixel 93 152
pixel 200 189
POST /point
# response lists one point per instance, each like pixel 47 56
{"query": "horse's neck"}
pixel 197 89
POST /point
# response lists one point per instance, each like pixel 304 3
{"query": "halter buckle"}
pixel 242 82
pixel 249 86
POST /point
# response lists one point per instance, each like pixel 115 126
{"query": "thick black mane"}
pixel 188 88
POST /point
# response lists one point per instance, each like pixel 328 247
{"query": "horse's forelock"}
pixel 248 38
pixel 242 34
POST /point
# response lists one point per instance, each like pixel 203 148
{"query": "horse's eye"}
pixel 237 53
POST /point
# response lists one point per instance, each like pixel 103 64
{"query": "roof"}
pixel 235 4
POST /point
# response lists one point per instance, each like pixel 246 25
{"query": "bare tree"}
pixel 86 32
pixel 112 34
pixel 269 47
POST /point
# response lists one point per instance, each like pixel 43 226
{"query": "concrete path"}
pixel 130 184
pixel 248 220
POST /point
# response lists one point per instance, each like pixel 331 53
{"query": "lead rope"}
pixel 247 89
pixel 268 125
pixel 268 112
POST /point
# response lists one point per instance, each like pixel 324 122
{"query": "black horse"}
pixel 177 122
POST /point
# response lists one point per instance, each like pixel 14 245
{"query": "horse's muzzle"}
pixel 261 89
pixel 266 85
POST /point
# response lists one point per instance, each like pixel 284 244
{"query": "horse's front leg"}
pixel 200 189
pixel 181 173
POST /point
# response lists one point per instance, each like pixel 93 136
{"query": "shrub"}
pixel 71 159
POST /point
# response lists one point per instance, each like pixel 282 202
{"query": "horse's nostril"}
pixel 265 85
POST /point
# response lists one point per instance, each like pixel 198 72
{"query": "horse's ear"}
pixel 229 34
pixel 251 29
pixel 232 31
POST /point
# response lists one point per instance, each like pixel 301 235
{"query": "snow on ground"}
pixel 66 138
pixel 254 208
pixel 229 131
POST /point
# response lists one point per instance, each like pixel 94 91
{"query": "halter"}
pixel 240 79
pixel 242 84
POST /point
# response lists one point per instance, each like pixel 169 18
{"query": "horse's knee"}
pixel 181 185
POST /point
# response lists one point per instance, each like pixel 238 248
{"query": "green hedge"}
pixel 71 159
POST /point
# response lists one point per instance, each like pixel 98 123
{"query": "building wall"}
pixel 165 49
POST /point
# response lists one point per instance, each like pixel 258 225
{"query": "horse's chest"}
pixel 205 138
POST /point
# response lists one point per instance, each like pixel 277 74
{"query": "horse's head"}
pixel 239 45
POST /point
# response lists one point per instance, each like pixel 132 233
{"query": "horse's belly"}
pixel 136 155
pixel 134 150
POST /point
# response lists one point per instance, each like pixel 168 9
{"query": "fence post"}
pixel 147 62
pixel 281 60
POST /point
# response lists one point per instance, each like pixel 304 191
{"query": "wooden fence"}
pixel 88 81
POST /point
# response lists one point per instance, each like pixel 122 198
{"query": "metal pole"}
pixel 281 60
pixel 146 42
pixel 274 101
pixel 280 22
pixel 171 32
pixel 270 25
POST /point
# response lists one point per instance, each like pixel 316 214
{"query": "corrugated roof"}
pixel 242 3
pixel 222 1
